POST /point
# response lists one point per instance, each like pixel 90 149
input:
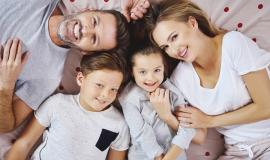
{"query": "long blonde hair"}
pixel 182 10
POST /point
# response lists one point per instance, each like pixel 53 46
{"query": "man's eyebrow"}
pixel 97 36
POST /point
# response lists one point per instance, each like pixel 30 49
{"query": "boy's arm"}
pixel 26 141
pixel 114 154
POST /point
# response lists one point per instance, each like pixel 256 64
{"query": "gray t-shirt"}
pixel 77 134
pixel 28 21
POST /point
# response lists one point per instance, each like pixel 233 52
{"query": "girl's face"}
pixel 99 88
pixel 179 40
pixel 148 71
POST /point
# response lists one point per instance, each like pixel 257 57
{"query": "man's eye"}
pixel 93 39
pixel 142 72
pixel 174 37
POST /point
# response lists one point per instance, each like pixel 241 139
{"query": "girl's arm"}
pixel 114 154
pixel 173 153
pixel 258 85
pixel 26 141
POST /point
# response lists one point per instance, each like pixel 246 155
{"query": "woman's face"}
pixel 179 40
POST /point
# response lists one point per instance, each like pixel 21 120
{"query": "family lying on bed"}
pixel 221 81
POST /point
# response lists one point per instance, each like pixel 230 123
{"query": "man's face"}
pixel 89 31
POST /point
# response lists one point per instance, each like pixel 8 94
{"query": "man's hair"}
pixel 122 31
pixel 103 60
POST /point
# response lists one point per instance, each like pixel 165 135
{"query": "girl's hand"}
pixel 12 61
pixel 193 117
pixel 161 102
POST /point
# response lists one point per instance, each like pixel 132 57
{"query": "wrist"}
pixel 211 121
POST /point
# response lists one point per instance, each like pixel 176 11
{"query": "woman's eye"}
pixel 99 85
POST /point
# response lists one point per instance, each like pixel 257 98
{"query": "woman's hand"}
pixel 193 117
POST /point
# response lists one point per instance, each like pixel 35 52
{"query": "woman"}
pixel 219 75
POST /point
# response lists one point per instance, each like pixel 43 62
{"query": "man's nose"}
pixel 87 31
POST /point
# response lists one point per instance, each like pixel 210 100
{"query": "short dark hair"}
pixel 122 31
pixel 104 60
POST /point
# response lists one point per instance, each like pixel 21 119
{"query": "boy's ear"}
pixel 79 78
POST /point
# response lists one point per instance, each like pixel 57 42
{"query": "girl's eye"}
pixel 115 90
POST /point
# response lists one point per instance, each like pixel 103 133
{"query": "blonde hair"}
pixel 182 10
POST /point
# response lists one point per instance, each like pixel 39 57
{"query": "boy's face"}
pixel 89 31
pixel 148 71
pixel 99 89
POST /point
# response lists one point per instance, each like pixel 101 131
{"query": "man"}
pixel 47 36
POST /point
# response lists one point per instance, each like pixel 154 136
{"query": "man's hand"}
pixel 161 102
pixel 134 9
pixel 11 63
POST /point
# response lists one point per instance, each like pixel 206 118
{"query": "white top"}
pixel 240 55
pixel 76 134
pixel 151 136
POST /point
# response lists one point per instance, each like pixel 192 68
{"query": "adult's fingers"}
pixel 13 51
pixel 6 51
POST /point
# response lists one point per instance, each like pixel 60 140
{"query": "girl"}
pixel 223 71
pixel 149 100
pixel 83 126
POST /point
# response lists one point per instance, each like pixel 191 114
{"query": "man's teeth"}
pixel 77 31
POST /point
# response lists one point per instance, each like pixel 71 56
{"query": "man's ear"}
pixel 79 78
pixel 193 22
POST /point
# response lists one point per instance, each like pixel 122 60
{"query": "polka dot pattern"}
pixel 207 154
pixel 77 69
pixel 106 0
pixel 72 0
pixel 226 9
pixel 260 6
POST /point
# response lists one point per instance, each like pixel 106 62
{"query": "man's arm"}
pixel 114 154
pixel 27 140
pixel 12 109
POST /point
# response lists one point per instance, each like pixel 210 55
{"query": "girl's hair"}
pixel 103 60
pixel 146 50
pixel 181 10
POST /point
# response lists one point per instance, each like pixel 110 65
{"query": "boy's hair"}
pixel 103 60
pixel 122 31
pixel 149 49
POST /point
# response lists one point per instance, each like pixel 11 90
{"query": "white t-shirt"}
pixel 76 134
pixel 240 55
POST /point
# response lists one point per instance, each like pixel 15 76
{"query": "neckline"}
pixel 198 80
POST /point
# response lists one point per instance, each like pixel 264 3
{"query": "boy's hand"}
pixel 161 102
pixel 12 61
pixel 134 9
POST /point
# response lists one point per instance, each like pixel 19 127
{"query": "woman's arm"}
pixel 114 154
pixel 258 85
pixel 26 141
